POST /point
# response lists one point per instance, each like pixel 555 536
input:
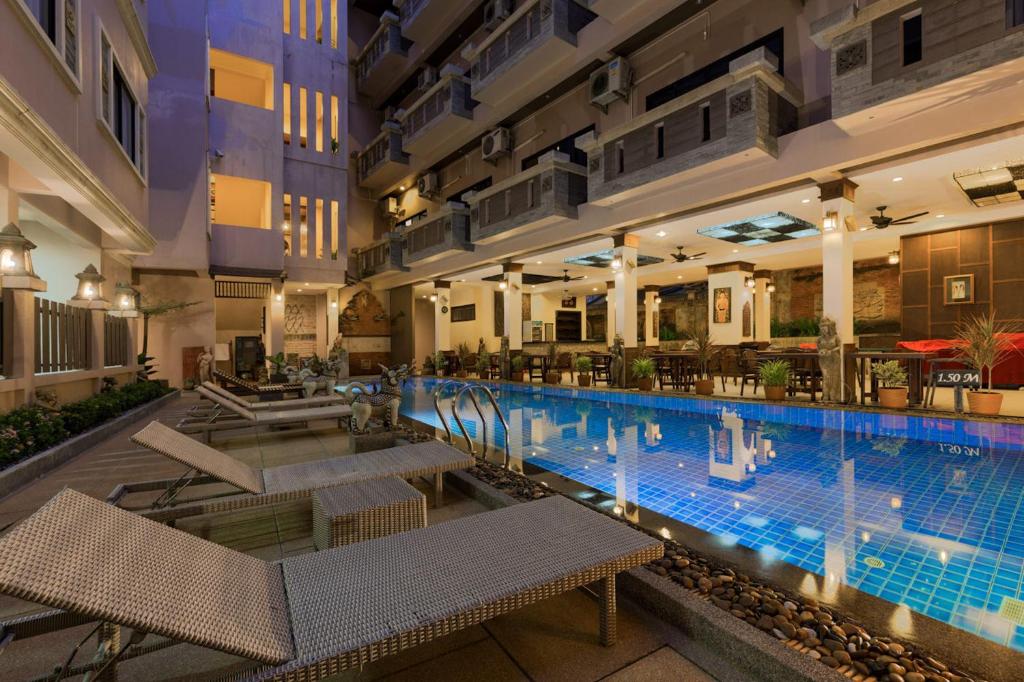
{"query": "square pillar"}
pixel 513 292
pixel 333 311
pixel 442 316
pixel 730 303
pixel 9 199
pixel 651 312
pixel 609 325
pixel 625 254
pixel 274 335
pixel 762 306
pixel 837 256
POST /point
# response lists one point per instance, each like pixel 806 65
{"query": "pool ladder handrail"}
pixel 471 387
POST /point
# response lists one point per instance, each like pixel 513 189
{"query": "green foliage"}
pixel 552 352
pixel 439 361
pixel 668 332
pixel 517 363
pixel 483 363
pixel 704 347
pixel 27 430
pixel 890 374
pixel 428 364
pixel 584 363
pixel 774 373
pixel 984 343
pixel 800 327
pixel 643 368
pixel 278 362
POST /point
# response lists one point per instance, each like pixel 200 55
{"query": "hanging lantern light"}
pixel 616 263
pixel 124 301
pixel 89 285
pixel 894 258
pixel 657 300
pixel 750 283
pixel 770 288
pixel 15 253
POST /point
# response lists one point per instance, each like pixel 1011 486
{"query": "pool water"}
pixel 926 513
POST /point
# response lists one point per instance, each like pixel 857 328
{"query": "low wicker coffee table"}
pixel 365 510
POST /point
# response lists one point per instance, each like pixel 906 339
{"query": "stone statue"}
pixel 337 357
pixel 617 367
pixel 503 358
pixel 384 399
pixel 47 400
pixel 205 364
pixel 830 357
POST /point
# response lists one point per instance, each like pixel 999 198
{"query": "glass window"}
pixel 303 116
pixel 125 111
pixel 334 24
pixel 319 130
pixel 912 37
pixel 302 19
pixel 319 229
pixel 318 13
pixel 287 16
pixel 45 12
pixel 286 227
pixel 334 230
pixel 1015 13
pixel 286 111
pixel 303 226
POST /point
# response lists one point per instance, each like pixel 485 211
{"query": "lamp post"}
pixel 19 283
pixel 90 291
pixel 16 261
pixel 124 301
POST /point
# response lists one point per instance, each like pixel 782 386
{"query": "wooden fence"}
pixel 62 337
pixel 115 344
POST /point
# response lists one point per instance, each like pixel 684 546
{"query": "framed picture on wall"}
pixel 723 305
pixel 568 301
pixel 958 289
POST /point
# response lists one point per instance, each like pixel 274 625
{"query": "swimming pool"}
pixel 922 512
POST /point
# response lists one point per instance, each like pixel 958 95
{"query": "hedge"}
pixel 27 430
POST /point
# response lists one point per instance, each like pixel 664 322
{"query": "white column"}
pixel 837 256
pixel 651 317
pixel 274 341
pixel 9 199
pixel 610 319
pixel 762 306
pixel 514 305
pixel 333 310
pixel 728 298
pixel 442 316
pixel 625 289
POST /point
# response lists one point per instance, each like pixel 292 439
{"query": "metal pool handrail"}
pixel 437 404
pixel 472 388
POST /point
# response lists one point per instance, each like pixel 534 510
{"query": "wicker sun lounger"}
pixel 263 390
pixel 282 483
pixel 240 416
pixel 311 616
pixel 290 404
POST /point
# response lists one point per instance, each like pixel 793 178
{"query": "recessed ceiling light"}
pixel 941 215
pixel 462 280
pixel 679 276
pixel 306 284
pixel 661 233
pixel 806 201
pixel 401 188
pixel 540 262
pixel 898 178
pixel 735 250
pixel 594 289
pixel 300 290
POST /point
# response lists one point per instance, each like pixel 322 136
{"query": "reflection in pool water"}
pixel 925 513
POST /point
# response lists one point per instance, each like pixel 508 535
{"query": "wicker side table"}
pixel 366 510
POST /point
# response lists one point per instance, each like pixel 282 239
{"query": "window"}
pixel 620 153
pixel 286 111
pixel 58 24
pixel 319 130
pixel 464 313
pixel 334 24
pixel 288 16
pixel 241 79
pixel 1014 13
pixel 303 226
pixel 334 230
pixel 508 203
pixel 911 38
pixel 239 202
pixel 705 122
pixel 119 109
pixel 302 19
pixel 529 193
pixel 335 141
pixel 318 9
pixel 660 134
pixel 286 228
pixel 319 229
pixel 303 116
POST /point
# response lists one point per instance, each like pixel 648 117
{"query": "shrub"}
pixel 643 368
pixel 584 364
pixel 889 374
pixel 774 373
pixel 517 363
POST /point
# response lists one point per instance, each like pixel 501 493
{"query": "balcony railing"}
pixel 439 234
pixel 424 21
pixel 550 191
pixel 444 111
pixel 383 162
pixel 385 50
pixel 534 39
pixel 875 78
pixel 733 119
pixel 380 257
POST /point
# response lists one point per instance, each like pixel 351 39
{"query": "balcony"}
pixel 535 39
pixel 967 50
pixel 383 162
pixel 732 120
pixel 444 111
pixel 379 258
pixel 544 194
pixel 384 56
pixel 440 234
pixel 424 21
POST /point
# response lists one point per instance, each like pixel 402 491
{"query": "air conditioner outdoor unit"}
pixel 426 78
pixel 496 144
pixel 495 12
pixel 390 207
pixel 427 185
pixel 610 83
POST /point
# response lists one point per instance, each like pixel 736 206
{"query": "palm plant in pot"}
pixel 483 364
pixel 892 384
pixel 518 362
pixel 553 376
pixel 439 363
pixel 277 362
pixel 774 375
pixel 704 348
pixel 463 352
pixel 428 365
pixel 643 372
pixel 984 343
pixel 583 367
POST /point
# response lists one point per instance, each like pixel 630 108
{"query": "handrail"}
pixel 437 406
pixel 476 403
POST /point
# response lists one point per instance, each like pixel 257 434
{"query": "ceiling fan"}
pixel 682 257
pixel 567 278
pixel 882 221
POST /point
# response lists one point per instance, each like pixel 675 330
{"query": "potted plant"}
pixel 277 362
pixel 704 349
pixel 583 367
pixel 984 343
pixel 483 364
pixel 892 384
pixel 517 368
pixel 428 366
pixel 774 374
pixel 463 352
pixel 553 376
pixel 439 363
pixel 643 372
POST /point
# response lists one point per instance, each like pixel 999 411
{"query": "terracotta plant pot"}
pixel 584 380
pixel 985 402
pixel 553 378
pixel 645 383
pixel 704 386
pixel 463 374
pixel 774 392
pixel 893 398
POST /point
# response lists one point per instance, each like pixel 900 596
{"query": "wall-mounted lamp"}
pixel 334 304
pixel 124 300
pixel 278 297
pixel 749 283
pixel 433 298
pixel 830 222
pixel 657 300
pixel 616 263
pixel 503 285
pixel 770 288
pixel 894 258
pixel 90 283
pixel 15 253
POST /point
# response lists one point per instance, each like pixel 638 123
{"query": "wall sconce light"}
pixel 15 253
pixel 770 288
pixel 894 258
pixel 831 222
pixel 433 298
pixel 749 283
pixel 503 285
pixel 278 297
pixel 657 300
pixel 89 285
pixel 124 296
pixel 616 263
pixel 334 304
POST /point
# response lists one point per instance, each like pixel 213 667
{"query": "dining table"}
pixel 913 361
pixel 680 366
pixel 806 367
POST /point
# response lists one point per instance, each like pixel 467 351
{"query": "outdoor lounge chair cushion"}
pixel 83 555
pixel 278 416
pixel 295 403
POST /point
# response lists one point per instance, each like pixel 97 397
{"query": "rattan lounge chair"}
pixel 233 415
pixel 264 391
pixel 311 616
pixel 288 404
pixel 281 483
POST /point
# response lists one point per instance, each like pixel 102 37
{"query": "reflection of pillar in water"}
pixel 652 433
pixel 840 541
pixel 627 483
pixel 729 457
pixel 515 438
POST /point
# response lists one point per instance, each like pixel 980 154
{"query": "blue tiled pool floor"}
pixel 928 513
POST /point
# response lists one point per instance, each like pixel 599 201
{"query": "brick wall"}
pixel 876 292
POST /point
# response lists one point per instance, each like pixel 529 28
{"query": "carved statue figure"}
pixel 830 358
pixel 383 399
pixel 617 367
pixel 205 365
pixel 503 358
pixel 47 400
pixel 338 358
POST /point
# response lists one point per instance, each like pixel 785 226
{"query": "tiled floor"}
pixel 551 640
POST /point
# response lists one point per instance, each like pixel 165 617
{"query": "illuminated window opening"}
pixel 318 9
pixel 240 79
pixel 288 16
pixel 334 24
pixel 302 19
pixel 303 116
pixel 334 230
pixel 286 227
pixel 319 121
pixel 335 141
pixel 319 229
pixel 286 111
pixel 303 227
pixel 239 202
